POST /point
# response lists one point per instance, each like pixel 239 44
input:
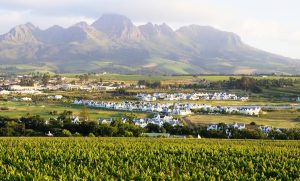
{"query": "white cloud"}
pixel 9 19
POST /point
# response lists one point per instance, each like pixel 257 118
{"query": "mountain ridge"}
pixel 114 44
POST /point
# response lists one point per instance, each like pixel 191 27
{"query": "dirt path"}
pixel 188 122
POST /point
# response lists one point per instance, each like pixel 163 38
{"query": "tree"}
pixel 26 82
pixel 152 128
pixel 87 127
pixel 84 78
pixel 76 134
pixel 66 133
pixel 34 122
pixel 168 127
pixel 84 114
pixel 12 128
pixel 91 135
pixel 128 134
pixel 46 78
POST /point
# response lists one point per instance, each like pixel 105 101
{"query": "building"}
pixel 153 135
pixel 265 129
pixel 26 99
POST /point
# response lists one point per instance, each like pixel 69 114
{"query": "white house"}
pixel 265 129
pixel 250 111
pixel 23 88
pixel 26 99
pixel 212 127
pixel 182 112
pixel 75 119
pixel 58 97
pixel 237 126
pixel 148 98
pixel 4 92
pixel 105 121
pixel 49 134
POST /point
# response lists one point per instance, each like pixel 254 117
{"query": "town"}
pixel 155 103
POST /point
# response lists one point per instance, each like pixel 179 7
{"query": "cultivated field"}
pixel 147 159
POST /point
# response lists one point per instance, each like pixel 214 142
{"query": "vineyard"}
pixel 147 159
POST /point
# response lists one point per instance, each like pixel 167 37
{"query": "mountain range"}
pixel 114 44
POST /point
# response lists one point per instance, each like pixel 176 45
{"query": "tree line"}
pixel 63 126
pixel 249 84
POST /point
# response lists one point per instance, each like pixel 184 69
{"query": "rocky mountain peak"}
pixel 21 34
pixel 118 27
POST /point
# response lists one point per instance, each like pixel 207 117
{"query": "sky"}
pixel 271 25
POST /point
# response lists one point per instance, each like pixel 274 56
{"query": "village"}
pixel 191 96
pixel 158 104
pixel 182 109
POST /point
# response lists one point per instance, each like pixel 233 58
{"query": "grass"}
pixel 170 65
pixel 27 68
pixel 19 109
pixel 276 118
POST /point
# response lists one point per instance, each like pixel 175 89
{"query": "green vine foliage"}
pixel 147 159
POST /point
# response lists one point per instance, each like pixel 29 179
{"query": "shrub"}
pixel 66 133
pixel 91 135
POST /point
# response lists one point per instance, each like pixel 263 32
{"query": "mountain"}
pixel 114 44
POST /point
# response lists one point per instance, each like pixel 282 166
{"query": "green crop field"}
pixel 147 159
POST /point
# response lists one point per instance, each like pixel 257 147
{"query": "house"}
pixel 252 111
pixel 58 97
pixel 22 88
pixel 107 88
pixel 140 122
pixel 182 112
pixel 49 134
pixel 244 98
pixel 234 126
pixel 26 99
pixel 237 126
pixel 4 92
pixel 212 127
pixel 70 87
pixel 105 120
pixel 153 135
pixel 265 129
pixel 75 119
pixel 148 98
pixel 14 99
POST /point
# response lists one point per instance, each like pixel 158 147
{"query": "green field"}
pixel 19 109
pixel 147 159
pixel 28 68
pixel 288 118
pixel 126 77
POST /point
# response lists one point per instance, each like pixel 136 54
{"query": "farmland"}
pixel 288 118
pixel 146 159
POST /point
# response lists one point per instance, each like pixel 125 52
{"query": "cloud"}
pixel 8 19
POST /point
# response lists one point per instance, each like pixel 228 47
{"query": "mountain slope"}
pixel 114 44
